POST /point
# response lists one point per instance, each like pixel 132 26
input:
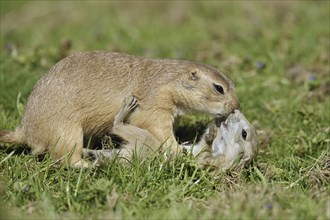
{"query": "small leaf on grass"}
pixel 7 157
pixel 19 105
pixel 262 177
pixel 101 185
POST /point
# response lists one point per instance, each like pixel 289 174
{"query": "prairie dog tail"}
pixel 12 137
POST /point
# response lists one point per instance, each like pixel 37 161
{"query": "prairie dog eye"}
pixel 218 88
pixel 244 134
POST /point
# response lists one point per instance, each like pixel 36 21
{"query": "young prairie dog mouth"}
pixel 80 95
pixel 222 144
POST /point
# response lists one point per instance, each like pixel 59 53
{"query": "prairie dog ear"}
pixel 193 74
pixel 210 134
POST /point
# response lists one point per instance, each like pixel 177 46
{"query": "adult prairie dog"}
pixel 81 94
pixel 222 144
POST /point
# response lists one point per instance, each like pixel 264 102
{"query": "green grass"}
pixel 287 100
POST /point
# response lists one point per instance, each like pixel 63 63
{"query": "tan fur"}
pixel 80 95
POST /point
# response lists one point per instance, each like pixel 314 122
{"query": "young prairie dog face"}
pixel 207 90
pixel 231 138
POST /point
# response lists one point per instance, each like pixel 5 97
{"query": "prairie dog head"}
pixel 229 139
pixel 205 89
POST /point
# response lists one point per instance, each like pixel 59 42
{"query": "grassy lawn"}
pixel 277 53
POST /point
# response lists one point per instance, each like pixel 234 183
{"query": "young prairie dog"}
pixel 79 97
pixel 222 144
pixel 225 141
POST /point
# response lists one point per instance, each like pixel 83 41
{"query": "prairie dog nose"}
pixel 236 104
